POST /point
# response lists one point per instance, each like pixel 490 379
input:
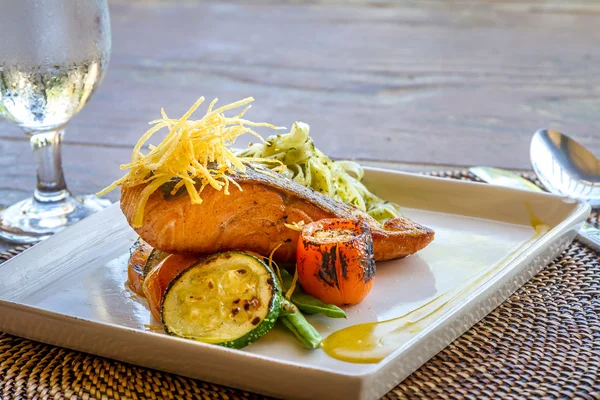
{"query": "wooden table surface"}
pixel 409 85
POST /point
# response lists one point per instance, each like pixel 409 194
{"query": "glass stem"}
pixel 51 185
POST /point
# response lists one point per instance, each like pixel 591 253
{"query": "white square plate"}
pixel 70 291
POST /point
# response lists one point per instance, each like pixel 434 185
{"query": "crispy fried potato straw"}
pixel 192 151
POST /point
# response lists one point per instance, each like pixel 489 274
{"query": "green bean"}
pixel 302 329
pixel 287 279
pixel 287 308
pixel 308 303
pixel 311 305
pixel 293 319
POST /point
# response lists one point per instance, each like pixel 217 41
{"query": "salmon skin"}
pixel 254 218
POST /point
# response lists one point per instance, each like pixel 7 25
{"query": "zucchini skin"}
pixel 265 326
pixel 273 309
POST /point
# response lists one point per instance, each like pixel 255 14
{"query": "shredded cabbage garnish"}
pixel 192 152
pixel 308 166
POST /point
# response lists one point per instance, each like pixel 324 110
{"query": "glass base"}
pixel 30 221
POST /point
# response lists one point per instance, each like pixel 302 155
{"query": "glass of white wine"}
pixel 53 55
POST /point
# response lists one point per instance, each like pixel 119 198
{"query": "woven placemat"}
pixel 544 341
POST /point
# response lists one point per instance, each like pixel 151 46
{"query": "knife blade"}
pixel 501 177
pixel 588 234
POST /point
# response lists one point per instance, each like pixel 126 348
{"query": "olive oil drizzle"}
pixel 371 342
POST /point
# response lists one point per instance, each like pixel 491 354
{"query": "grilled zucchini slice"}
pixel 230 299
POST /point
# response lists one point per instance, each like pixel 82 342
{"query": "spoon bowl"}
pixel 565 167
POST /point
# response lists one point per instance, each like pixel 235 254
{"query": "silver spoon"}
pixel 567 168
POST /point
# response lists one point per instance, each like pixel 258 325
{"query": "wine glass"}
pixel 53 54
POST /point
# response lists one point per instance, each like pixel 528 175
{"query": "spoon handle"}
pixel 590 235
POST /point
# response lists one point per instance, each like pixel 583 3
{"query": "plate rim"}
pixel 576 216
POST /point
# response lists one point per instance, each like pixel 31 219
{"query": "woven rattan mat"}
pixel 544 341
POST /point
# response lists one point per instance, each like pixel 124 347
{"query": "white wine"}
pixel 43 98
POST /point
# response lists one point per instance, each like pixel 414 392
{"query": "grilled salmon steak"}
pixel 254 218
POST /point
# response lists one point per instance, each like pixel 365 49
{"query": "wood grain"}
pixel 88 169
pixel 420 82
